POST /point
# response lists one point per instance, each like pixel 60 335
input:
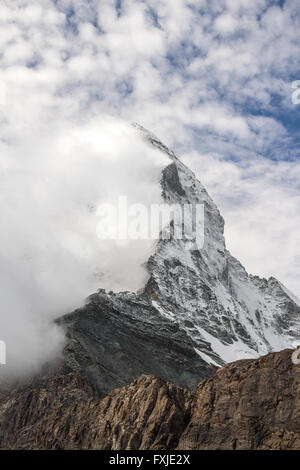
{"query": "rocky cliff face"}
pixel 117 337
pixel 250 404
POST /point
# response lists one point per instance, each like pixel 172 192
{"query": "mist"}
pixel 52 182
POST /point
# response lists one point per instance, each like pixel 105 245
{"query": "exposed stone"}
pixel 117 337
pixel 63 413
pixel 250 404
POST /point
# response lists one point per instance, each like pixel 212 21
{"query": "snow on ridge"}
pixel 228 314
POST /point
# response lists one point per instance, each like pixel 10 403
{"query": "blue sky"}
pixel 212 78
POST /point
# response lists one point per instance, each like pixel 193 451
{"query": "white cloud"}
pixel 226 23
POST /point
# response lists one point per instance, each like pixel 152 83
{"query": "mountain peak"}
pixel 199 308
pixel 227 313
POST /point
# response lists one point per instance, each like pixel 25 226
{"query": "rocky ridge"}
pixel 249 404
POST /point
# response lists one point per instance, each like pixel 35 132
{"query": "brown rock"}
pixel 64 414
pixel 250 404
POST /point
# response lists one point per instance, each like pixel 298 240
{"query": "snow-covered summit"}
pixel 227 313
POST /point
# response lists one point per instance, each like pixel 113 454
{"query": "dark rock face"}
pixel 250 404
pixel 117 337
pixel 171 181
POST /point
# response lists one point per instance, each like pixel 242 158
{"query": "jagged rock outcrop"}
pixel 250 404
pixel 64 413
pixel 44 415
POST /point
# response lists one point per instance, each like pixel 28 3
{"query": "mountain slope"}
pixel 117 337
pixel 249 404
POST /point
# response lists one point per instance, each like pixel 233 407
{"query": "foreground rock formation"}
pixel 249 404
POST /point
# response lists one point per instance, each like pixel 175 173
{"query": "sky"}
pixel 212 78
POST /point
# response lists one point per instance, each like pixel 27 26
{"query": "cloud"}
pixel 226 24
